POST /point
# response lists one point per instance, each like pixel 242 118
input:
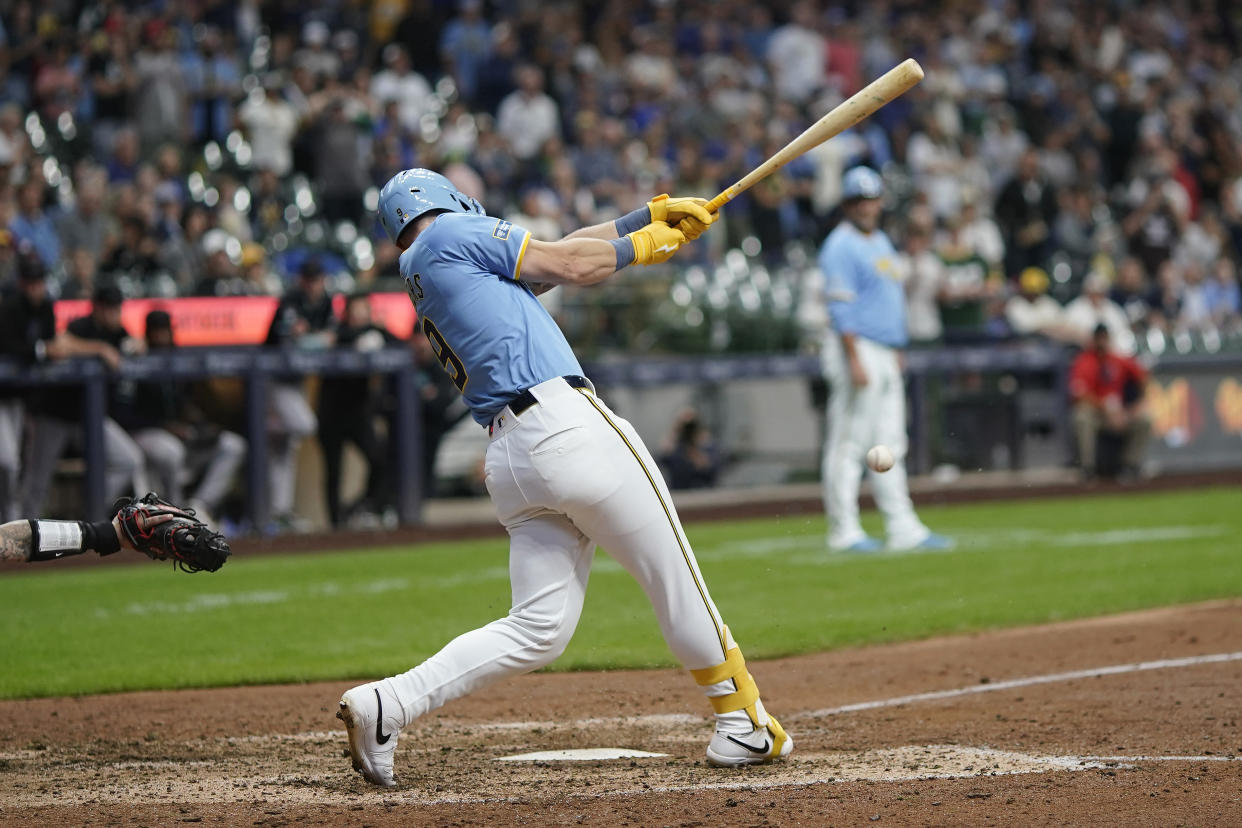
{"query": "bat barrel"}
pixel 893 83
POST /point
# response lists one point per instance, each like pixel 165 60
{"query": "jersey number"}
pixel 451 362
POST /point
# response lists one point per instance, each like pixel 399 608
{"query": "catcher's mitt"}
pixel 181 537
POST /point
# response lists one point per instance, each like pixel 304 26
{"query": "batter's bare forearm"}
pixel 582 261
pixel 15 541
pixel 606 231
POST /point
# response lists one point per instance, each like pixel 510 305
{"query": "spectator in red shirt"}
pixel 1107 390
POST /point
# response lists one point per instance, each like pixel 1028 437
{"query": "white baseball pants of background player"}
pixel 859 418
pixel 565 475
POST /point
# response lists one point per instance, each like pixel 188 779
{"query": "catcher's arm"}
pixel 148 525
pixel 46 540
pixel 15 539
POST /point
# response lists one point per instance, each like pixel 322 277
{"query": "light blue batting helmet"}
pixel 862 182
pixel 411 193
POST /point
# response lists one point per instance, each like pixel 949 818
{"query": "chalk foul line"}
pixel 1028 681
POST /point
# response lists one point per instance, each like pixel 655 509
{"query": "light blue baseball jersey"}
pixel 863 286
pixel 488 329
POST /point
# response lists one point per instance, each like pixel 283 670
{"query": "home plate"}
pixel 580 755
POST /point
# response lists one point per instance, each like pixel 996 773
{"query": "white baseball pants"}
pixel 565 475
pixel 290 420
pixel 859 418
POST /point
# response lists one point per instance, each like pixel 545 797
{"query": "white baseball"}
pixel 880 458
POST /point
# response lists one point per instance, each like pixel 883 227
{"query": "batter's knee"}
pixel 544 637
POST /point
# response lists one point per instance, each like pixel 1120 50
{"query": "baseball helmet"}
pixel 412 193
pixel 862 182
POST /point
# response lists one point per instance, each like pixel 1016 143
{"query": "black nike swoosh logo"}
pixel 752 748
pixel 380 735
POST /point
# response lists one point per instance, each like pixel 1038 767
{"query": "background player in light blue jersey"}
pixel 862 363
pixel 563 470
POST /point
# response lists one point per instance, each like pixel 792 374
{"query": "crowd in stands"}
pixel 1065 164
pixel 189 148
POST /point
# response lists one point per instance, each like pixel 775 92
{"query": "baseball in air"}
pixel 879 458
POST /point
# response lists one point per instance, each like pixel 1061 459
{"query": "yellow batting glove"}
pixel 656 243
pixel 690 214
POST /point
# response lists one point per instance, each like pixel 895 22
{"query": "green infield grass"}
pixel 364 613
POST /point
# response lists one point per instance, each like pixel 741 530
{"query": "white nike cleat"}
pixel 372 731
pixel 763 744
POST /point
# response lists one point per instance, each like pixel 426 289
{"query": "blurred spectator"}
pixel 1025 210
pixel 57 410
pixel 1092 309
pixel 28 334
pixel 1164 300
pixel 497 76
pixel 270 125
pixel 348 406
pixel 1222 294
pixel 136 254
pixel 315 55
pixel 231 209
pixel 980 233
pixel 303 319
pixel 178 443
pixel 398 83
pixel 1129 292
pixel 924 281
pixel 1033 312
pixel 1107 390
pixel 1195 313
pixel 1159 209
pixel 267 204
pixel 968 283
pixel 110 74
pixel 690 459
pixel 935 161
pixel 181 252
pixel 57 82
pixel 539 213
pixel 257 275
pixel 465 45
pixel 213 81
pixel 221 255
pixel 122 165
pixel 1078 228
pixel 14 144
pixel 342 160
pixel 527 116
pixel 33 226
pixel 86 225
pixel 160 95
pixel 798 55
pixel 79 281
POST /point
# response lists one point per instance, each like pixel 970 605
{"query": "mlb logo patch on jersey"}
pixel 501 230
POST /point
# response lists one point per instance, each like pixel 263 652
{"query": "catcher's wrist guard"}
pixel 52 539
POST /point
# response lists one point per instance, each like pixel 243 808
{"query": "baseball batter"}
pixel 565 472
pixel 862 363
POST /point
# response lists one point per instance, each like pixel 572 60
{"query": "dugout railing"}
pixel 1196 401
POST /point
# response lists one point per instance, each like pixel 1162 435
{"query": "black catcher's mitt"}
pixel 181 537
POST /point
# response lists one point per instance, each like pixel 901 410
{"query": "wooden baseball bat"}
pixel 893 83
